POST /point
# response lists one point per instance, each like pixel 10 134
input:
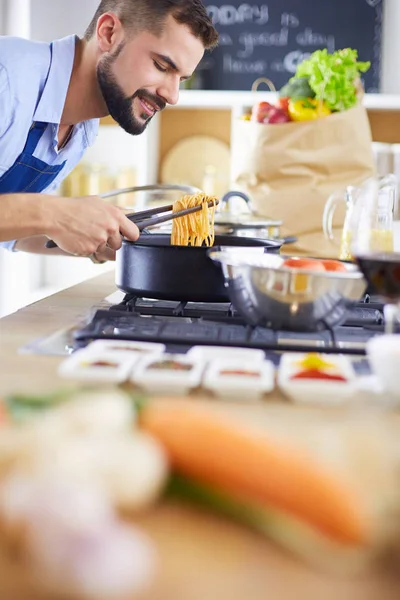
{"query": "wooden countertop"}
pixel 202 557
pixel 30 373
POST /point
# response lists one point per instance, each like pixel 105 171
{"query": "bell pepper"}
pixel 307 109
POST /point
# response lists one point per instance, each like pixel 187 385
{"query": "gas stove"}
pixel 181 325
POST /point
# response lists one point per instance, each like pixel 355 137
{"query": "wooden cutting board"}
pixel 202 557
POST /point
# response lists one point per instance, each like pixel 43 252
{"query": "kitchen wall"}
pixel 56 18
pixel 16 17
pixel 2 17
pixel 391 48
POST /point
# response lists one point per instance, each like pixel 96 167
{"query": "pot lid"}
pixel 244 221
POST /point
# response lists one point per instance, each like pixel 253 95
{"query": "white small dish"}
pixel 98 366
pixel 141 348
pixel 235 378
pixel 310 390
pixel 383 353
pixel 167 373
pixel 207 353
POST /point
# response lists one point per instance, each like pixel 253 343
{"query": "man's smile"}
pixel 149 107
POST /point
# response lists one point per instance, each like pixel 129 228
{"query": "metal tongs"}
pixel 143 218
pixel 142 222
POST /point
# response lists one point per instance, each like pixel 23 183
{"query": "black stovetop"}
pixel 182 325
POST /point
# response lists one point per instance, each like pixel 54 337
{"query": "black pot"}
pixel 152 268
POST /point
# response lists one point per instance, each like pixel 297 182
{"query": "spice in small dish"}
pixel 103 365
pixel 316 378
pixel 312 360
pixel 238 379
pixel 316 374
pixel 239 373
pixel 99 363
pixel 167 373
pixel 315 366
pixel 170 365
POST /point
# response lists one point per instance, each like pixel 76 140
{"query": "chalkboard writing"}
pixel 270 38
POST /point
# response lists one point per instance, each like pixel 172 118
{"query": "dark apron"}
pixel 29 174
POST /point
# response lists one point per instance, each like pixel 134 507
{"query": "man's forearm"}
pixel 37 245
pixel 80 226
pixel 23 215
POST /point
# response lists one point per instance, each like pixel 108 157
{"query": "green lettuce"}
pixel 333 77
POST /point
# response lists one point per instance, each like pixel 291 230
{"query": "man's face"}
pixel 143 74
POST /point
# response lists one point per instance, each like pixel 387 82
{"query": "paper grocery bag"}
pixel 290 169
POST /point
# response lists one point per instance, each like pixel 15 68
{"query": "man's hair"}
pixel 150 15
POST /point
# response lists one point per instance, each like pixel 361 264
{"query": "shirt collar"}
pixel 52 101
pixel 91 131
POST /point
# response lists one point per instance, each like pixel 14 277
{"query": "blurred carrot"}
pixel 218 451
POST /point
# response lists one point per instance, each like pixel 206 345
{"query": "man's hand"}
pixel 104 254
pixel 83 226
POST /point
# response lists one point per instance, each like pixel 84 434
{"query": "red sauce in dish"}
pixel 101 363
pixel 240 373
pixel 317 374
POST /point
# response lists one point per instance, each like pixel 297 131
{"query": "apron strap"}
pixel 35 133
pixel 37 129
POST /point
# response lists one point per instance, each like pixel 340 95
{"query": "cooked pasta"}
pixel 196 228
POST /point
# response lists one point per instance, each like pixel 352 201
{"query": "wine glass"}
pixel 372 243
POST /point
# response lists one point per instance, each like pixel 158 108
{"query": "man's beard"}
pixel 120 106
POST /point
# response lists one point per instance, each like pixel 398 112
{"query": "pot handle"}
pixel 329 209
pixel 235 194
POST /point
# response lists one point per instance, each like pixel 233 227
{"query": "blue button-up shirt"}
pixel 24 66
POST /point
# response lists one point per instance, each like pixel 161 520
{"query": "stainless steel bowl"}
pixel 269 294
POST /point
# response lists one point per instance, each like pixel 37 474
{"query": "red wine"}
pixel 382 271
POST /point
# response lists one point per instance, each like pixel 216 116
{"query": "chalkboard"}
pixel 268 39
